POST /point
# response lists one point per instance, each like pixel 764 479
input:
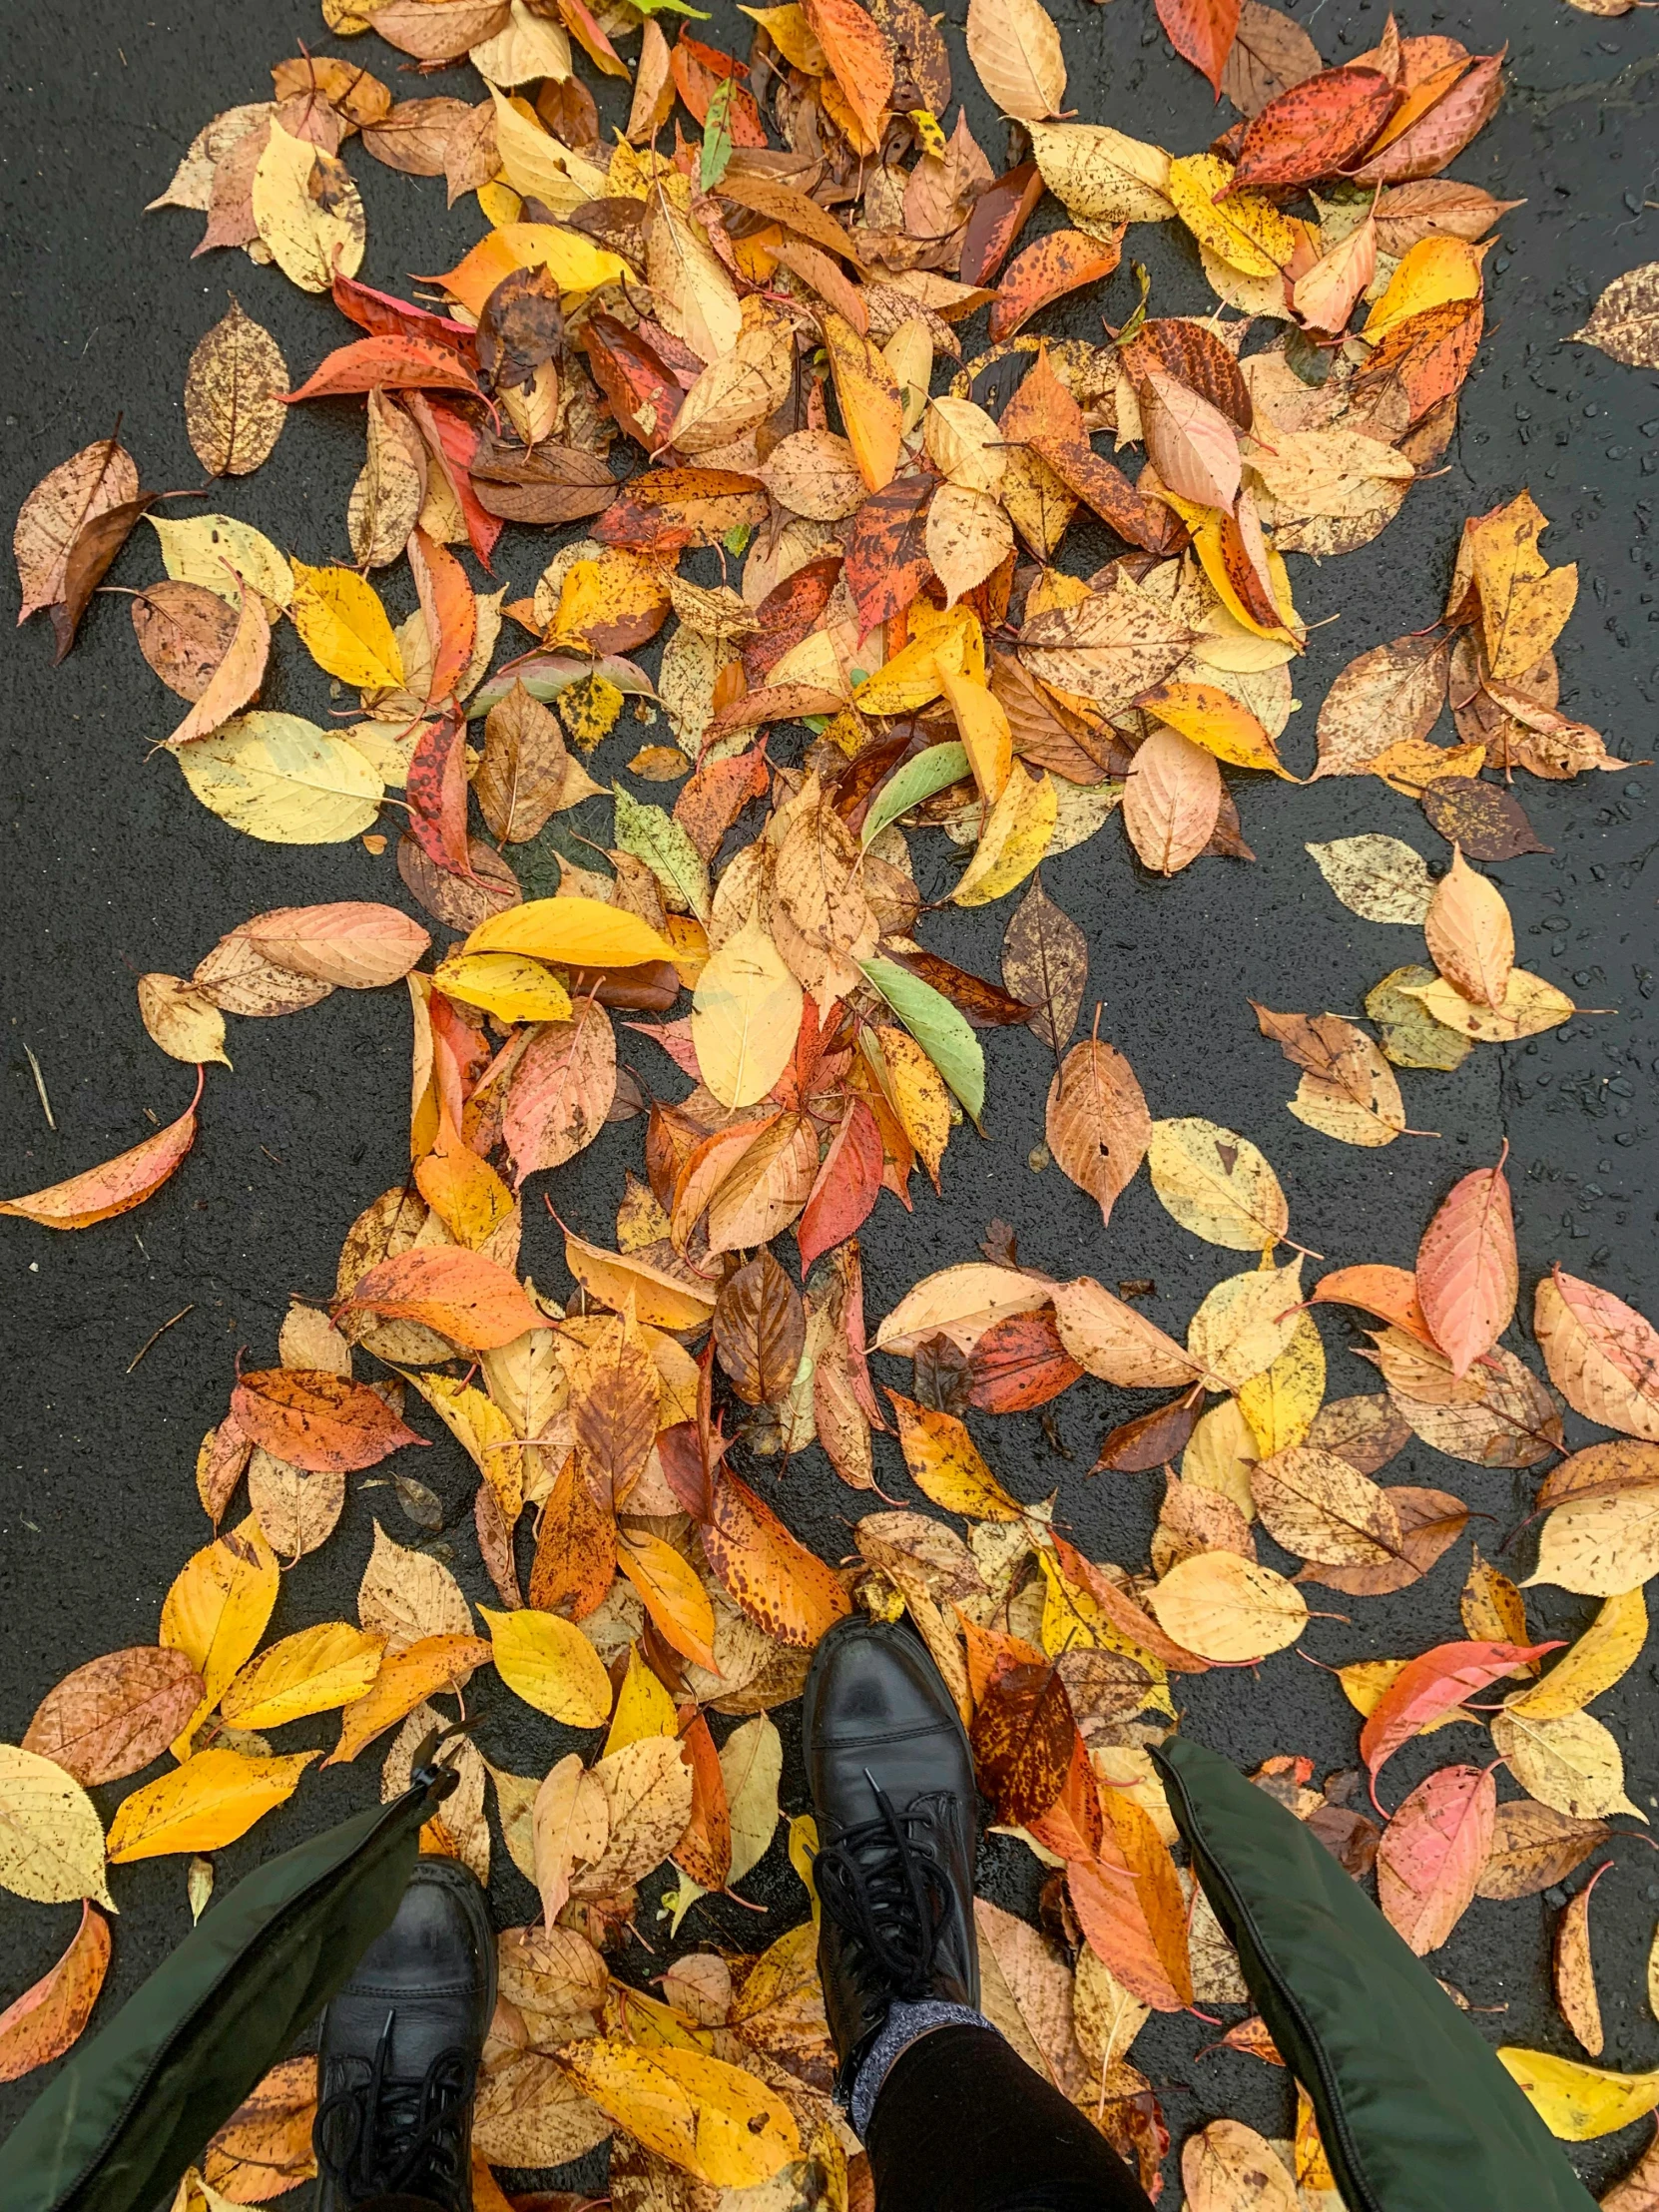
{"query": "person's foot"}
pixel 399 2057
pixel 891 1777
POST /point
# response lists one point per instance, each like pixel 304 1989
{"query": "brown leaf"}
pixel 234 411
pixel 1017 1363
pixel 184 630
pixel 1151 1439
pixel 265 2147
pixel 1097 1122
pixel 614 1399
pixel 759 1330
pixel 887 561
pixel 1483 820
pixel 440 30
pixel 1440 135
pixel 94 547
pixel 91 483
pixel 1022 1736
pixel 1533 1847
pixel 522 779
pixel 1270 53
pixel 561 1090
pixel 1393 691
pixel 1366 1431
pixel 114 1715
pixel 1430 1522
pixel 1576 1981
pixel 415 134
pixel 1045 964
pixel 1497 1416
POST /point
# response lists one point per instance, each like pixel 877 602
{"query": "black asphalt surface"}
pixel 112 868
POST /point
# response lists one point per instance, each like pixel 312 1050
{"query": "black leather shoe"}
pixel 891 1777
pixel 399 2053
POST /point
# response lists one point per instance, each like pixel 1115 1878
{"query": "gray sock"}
pixel 905 2024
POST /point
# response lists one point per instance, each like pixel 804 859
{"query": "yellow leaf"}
pixel 1246 1323
pixel 483 1433
pixel 672 1594
pixel 307 211
pixel 213 550
pixel 313 1671
pixel 618 586
pixel 406 1680
pixel 615 1280
pixel 1280 1401
pixel 643 1707
pixel 283 780
pixel 1227 1608
pixel 1529 1005
pixel 945 1464
pixel 345 627
pixel 1245 229
pixel 745 1015
pixel 1213 719
pixel 920 1096
pixel 216 1612
pixel 208 1802
pixel 182 1019
pixel 550 1664
pixel 1429 274
pixel 462 1189
pixel 1015 837
pixel 982 724
pixel 1366 1681
pixel 538 166
pixel 577 932
pixel 1216 1184
pixel 51 1838
pixel 1606 1650
pixel 716 2121
pixel 1572 1763
pixel 505 985
pixel 869 399
pixel 751 1766
pixel 915 677
pixel 790 33
pixel 1221 1452
pixel 1575 2102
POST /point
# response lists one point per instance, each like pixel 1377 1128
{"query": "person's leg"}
pixel 399 2051
pixel 962 2124
pixel 953 2119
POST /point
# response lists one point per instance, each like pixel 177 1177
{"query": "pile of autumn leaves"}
pixel 882 597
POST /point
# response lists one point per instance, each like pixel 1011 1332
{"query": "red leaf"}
pixel 384 316
pixel 436 785
pixel 392 360
pixel 1429 1686
pixel 1467 1273
pixel 849 1183
pixel 887 561
pixel 1312 130
pixel 644 392
pixel 1019 1363
pixel 1202 32
pixel 698 70
pixel 453 444
pixel 1000 215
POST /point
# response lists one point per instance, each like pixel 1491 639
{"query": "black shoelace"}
pixel 386 2137
pixel 882 1883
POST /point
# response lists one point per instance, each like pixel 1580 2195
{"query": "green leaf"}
pixel 654 837
pixel 716 135
pixel 671 7
pixel 918 779
pixel 942 1033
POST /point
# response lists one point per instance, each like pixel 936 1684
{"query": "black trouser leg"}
pixel 962 2124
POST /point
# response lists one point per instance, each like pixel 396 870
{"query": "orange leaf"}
pixel 45 2020
pixel 1171 800
pixel 1202 32
pixel 768 1573
pixel 463 1296
pixel 1471 939
pixel 116 1187
pixel 1467 1273
pixel 1062 262
pixel 1389 1293
pixel 451 610
pixel 858 54
pixel 321 1421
